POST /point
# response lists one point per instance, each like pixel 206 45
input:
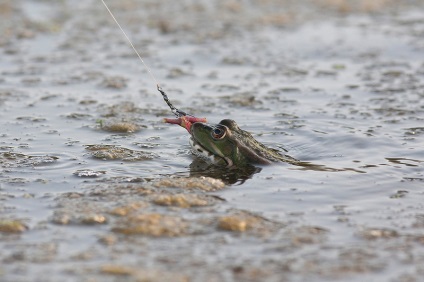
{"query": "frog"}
pixel 226 144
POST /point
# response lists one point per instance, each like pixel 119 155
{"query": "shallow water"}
pixel 338 86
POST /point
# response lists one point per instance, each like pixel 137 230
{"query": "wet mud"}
pixel 94 186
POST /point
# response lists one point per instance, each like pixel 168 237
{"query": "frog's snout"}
pixel 185 121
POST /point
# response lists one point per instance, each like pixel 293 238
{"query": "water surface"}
pixel 338 85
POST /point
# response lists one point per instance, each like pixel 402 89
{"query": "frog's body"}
pixel 226 144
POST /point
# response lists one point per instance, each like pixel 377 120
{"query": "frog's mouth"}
pixel 185 121
pixel 201 152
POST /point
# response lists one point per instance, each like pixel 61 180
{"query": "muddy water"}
pixel 95 187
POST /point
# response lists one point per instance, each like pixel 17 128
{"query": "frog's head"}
pixel 217 142
pixel 213 143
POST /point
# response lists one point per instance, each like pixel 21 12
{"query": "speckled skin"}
pixel 236 148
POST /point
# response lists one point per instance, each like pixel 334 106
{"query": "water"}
pixel 342 91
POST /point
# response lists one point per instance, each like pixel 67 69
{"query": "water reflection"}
pixel 239 175
pixel 228 175
pixel 318 167
pixel 404 161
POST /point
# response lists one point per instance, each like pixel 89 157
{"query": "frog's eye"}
pixel 218 133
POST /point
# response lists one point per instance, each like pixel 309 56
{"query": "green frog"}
pixel 227 144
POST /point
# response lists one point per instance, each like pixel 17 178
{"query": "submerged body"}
pixel 227 144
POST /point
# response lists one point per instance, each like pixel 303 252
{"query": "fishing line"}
pixel 129 41
pixel 174 110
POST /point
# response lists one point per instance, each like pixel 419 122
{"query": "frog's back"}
pixel 252 150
